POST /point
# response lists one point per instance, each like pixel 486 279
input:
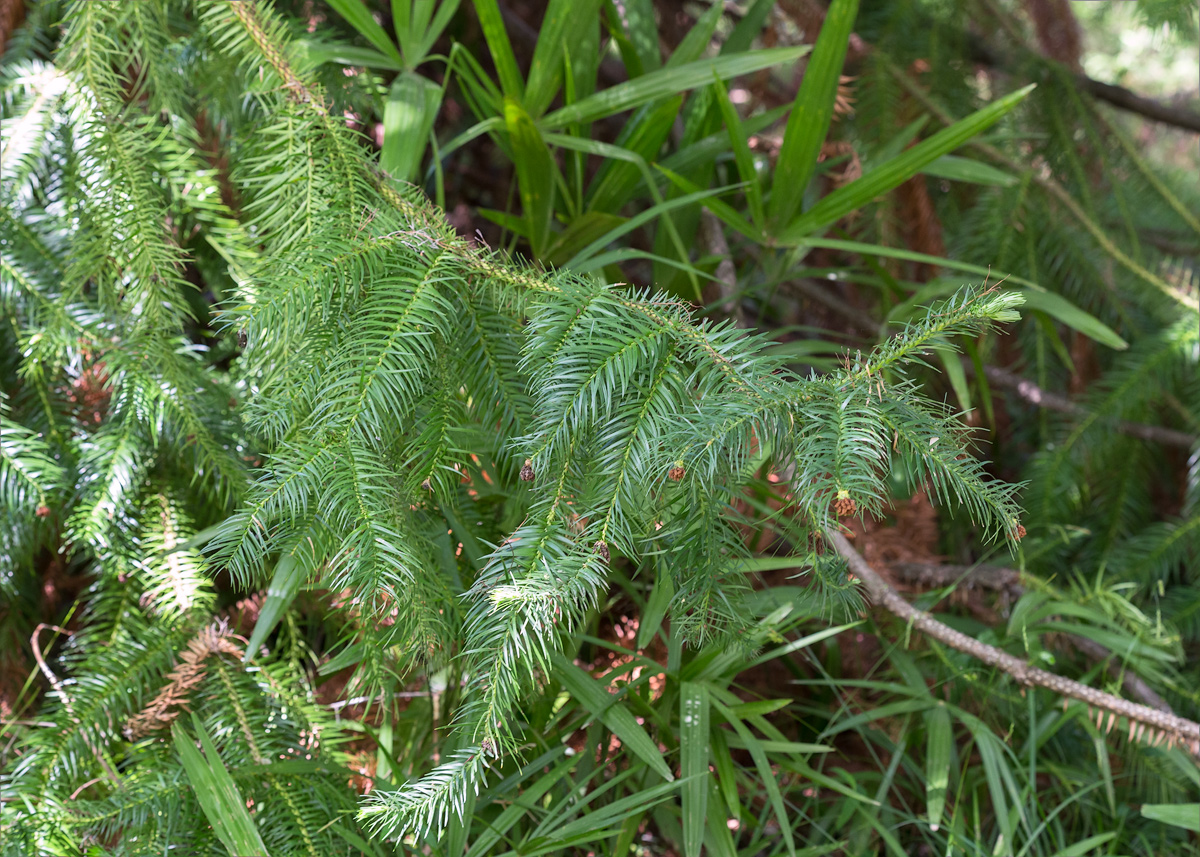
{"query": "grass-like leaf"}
pixel 223 805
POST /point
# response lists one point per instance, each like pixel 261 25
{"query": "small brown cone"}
pixel 844 504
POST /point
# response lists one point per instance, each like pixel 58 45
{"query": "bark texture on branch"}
pixel 1162 726
pixel 1117 96
pixel 1125 99
pixel 1008 582
pixel 1035 395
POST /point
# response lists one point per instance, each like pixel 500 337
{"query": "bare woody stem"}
pixel 1175 729
pixel 1035 395
pixel 66 700
pixel 1008 582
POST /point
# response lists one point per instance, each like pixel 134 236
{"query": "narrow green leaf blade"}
pixel 402 24
pixel 811 112
pixel 285 584
pixel 656 608
pixel 412 106
pixel 967 170
pixel 535 173
pixel 513 813
pixel 899 169
pixel 343 54
pixel 747 28
pixel 994 768
pixel 562 27
pixel 501 48
pixel 637 16
pixel 1185 815
pixel 1061 309
pixel 939 736
pixel 601 816
pixel 719 841
pixel 765 772
pixel 580 232
pixel 693 763
pixel 359 17
pixel 697 38
pixel 664 82
pixel 741 152
pixel 445 11
pixel 955 374
pixel 631 224
pixel 223 805
pixel 603 705
pixel 1089 845
pixel 912 256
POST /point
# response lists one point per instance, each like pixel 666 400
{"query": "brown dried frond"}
pixel 173 698
pixel 843 104
pixel 243 615
pixel 837 149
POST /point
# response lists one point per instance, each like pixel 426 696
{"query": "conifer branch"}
pixel 459 442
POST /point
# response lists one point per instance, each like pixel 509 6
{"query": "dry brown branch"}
pixel 1008 581
pixel 714 241
pixel 62 694
pixel 1035 395
pixel 1160 724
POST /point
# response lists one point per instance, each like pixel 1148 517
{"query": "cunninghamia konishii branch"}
pixel 678 403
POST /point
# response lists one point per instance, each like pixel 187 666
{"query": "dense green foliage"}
pixel 270 423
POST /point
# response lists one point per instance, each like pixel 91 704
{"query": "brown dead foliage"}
pixel 174 697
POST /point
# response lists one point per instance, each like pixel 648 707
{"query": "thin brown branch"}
pixel 1118 96
pixel 1161 725
pixel 1008 581
pixel 246 12
pixel 1035 395
pixel 79 790
pixel 714 241
pixel 62 694
pixel 1183 297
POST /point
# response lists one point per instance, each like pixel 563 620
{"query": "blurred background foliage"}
pixel 819 173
